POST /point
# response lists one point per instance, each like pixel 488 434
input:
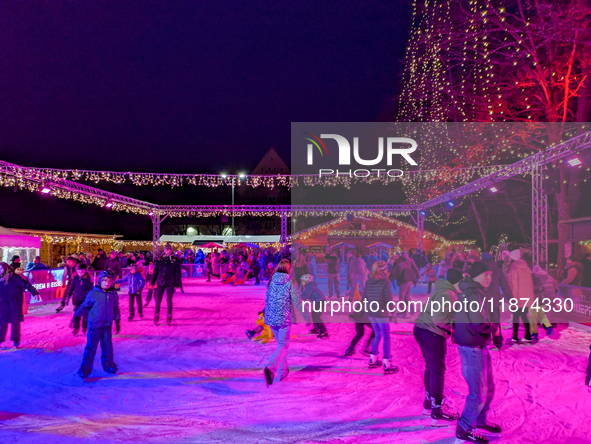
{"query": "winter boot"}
pixel 427 404
pixel 374 362
pixel 474 436
pixel 156 318
pixel 350 352
pixel 389 368
pixel 169 319
pixel 441 416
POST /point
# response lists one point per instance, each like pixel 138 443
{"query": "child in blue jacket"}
pixel 102 306
pixel 135 285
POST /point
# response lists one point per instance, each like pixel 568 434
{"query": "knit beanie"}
pixel 515 255
pixel 477 269
pixel 454 276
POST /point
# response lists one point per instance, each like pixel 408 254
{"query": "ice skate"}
pixel 349 352
pixel 269 376
pixel 156 318
pixel 427 405
pixel 169 319
pixel 474 436
pixel 60 308
pixel 490 429
pixel 389 368
pixel 441 416
pixel 323 335
pixel 374 362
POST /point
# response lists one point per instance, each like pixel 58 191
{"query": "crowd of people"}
pixel 472 277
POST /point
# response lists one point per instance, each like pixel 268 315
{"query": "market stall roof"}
pixel 12 239
pixel 344 244
pixel 379 244
pixel 246 245
pixel 208 245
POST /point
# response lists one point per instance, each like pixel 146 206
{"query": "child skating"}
pixel 135 285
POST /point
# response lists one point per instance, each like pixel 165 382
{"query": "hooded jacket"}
pixel 11 298
pixel 442 320
pixel 499 282
pixel 377 290
pixel 282 295
pixel 473 328
pixel 521 283
pixel 102 307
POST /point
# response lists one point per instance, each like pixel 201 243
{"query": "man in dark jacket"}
pixel 102 306
pixel 12 287
pixel 405 273
pixel 98 264
pixel 167 275
pixel 499 282
pixel 67 281
pixel 113 264
pixel 473 333
pixel 332 262
pixel 81 286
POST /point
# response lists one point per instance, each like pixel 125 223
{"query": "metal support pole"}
pixel 420 230
pixel 233 232
pixel 156 233
pixel 539 217
pixel 283 231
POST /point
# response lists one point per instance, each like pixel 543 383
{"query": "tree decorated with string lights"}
pixel 498 61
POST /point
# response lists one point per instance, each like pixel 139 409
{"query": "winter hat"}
pixel 307 278
pixel 505 254
pixel 81 267
pixel 454 276
pixel 515 255
pixel 477 269
pixel 106 274
pixel 487 257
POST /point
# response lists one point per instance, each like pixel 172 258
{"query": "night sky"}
pixel 188 86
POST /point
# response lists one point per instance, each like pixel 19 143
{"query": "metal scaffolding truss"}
pixel 539 208
pixel 278 209
pixel 283 232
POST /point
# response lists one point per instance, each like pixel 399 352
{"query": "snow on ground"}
pixel 201 381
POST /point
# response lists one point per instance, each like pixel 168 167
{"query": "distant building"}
pixel 271 164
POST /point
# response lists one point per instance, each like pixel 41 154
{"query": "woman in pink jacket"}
pixel 522 287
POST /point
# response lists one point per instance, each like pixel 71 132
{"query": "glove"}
pixel 117 327
pixel 498 341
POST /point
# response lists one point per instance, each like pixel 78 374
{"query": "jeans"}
pixel 434 348
pixel 135 297
pixel 360 330
pixel 149 295
pixel 520 313
pixel 278 360
pixel 381 328
pixel 477 371
pixel 76 320
pixel 333 278
pixel 159 293
pixel 318 324
pixel 15 332
pixel 357 279
pixel 93 337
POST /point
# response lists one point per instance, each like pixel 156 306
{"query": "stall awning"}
pixel 12 239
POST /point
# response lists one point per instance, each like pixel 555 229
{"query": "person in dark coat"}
pixel 378 296
pixel 12 287
pixel 102 306
pixel 67 280
pixel 167 275
pixel 98 264
pixel 473 333
pixel 586 281
pixel 499 282
pixel 36 265
pixel 15 262
pixel 406 273
pixel 113 264
pixel 312 293
pixel 81 286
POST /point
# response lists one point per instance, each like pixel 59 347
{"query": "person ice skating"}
pixel 167 275
pixel 12 287
pixel 151 287
pixel 405 273
pixel 114 264
pixel 81 286
pixel 473 333
pixel 377 291
pixel 361 323
pixel 282 296
pixel 545 287
pixel 332 262
pixel 135 284
pixel 67 281
pixel 102 306
pixel 311 292
pixel 522 286
pixel 432 329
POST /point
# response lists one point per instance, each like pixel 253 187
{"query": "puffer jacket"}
pixel 134 281
pixel 521 283
pixel 442 321
pixel 312 293
pixel 545 286
pixel 282 296
pixel 377 290
pixel 102 307
pixel 473 328
pixel 11 298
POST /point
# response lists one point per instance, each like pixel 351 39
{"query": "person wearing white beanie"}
pixel 522 287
